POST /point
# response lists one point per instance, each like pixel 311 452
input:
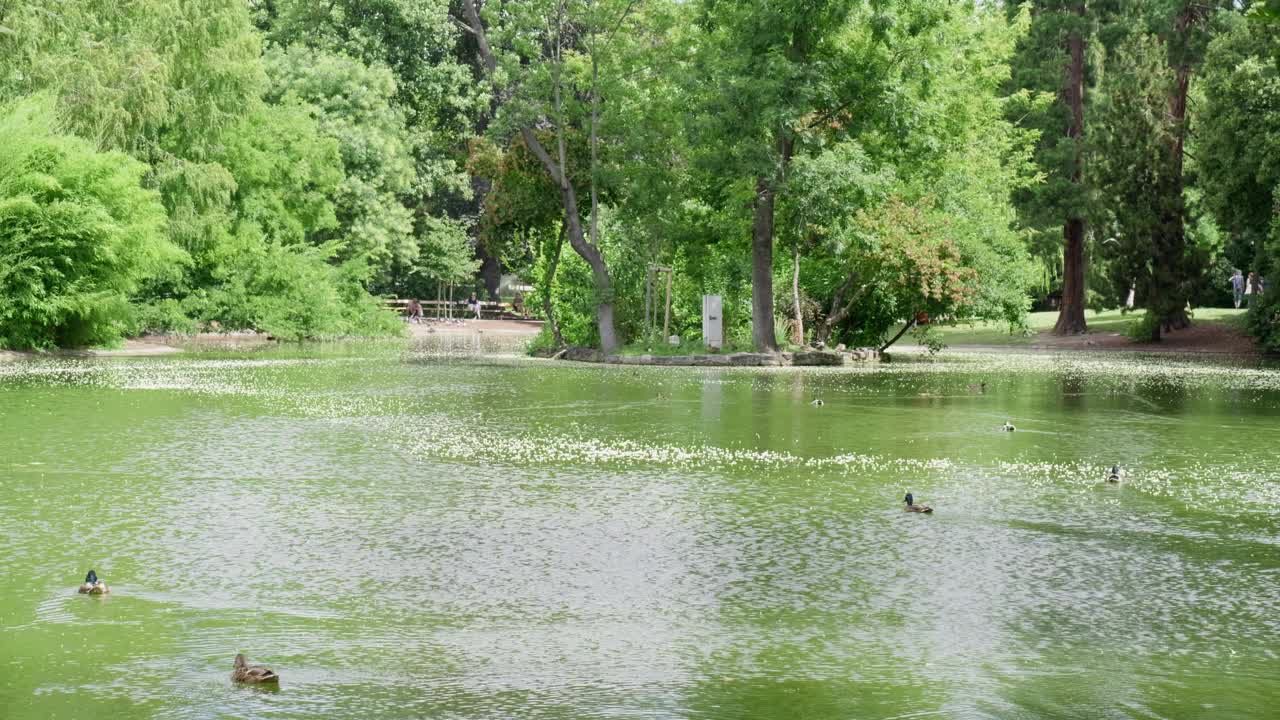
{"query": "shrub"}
pixel 78 233
pixel 1263 320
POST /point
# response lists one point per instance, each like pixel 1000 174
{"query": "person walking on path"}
pixel 1237 288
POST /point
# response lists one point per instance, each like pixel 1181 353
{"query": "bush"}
pixel 78 233
pixel 1263 320
pixel 161 316
pixel 291 292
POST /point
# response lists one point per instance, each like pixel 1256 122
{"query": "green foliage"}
pixel 1135 159
pixel 1242 109
pixel 1263 320
pixel 78 234
pixel 352 105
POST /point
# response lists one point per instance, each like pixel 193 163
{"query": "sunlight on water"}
pixel 437 531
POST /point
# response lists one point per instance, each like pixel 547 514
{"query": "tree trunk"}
pixel 910 324
pixel 1168 295
pixel 840 308
pixel 762 251
pixel 490 268
pixel 798 332
pixel 1071 319
pixel 548 308
pixel 762 269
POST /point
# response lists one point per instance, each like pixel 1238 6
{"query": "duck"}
pixel 1007 427
pixel 1115 474
pixel 980 388
pixel 93 586
pixel 246 673
pixel 817 402
pixel 913 507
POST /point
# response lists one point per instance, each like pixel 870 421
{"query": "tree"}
pixel 776 72
pixel 542 34
pixel 1052 59
pixel 354 105
pixel 1142 151
pixel 78 234
pixel 1241 110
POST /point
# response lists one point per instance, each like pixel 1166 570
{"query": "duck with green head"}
pixel 913 507
pixel 93 586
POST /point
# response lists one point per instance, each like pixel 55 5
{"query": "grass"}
pixel 1110 321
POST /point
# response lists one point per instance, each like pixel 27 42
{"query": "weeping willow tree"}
pixel 78 234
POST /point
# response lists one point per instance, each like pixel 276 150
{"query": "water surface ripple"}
pixel 407 534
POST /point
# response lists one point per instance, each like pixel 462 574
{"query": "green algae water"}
pixel 413 533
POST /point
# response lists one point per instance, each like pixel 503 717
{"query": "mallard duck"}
pixel 913 507
pixel 1115 474
pixel 93 586
pixel 1007 427
pixel 246 673
pixel 980 388
pixel 817 402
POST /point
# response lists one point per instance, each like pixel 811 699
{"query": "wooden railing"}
pixel 460 308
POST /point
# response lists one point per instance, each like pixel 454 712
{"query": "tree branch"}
pixel 531 141
pixel 482 40
pixel 463 26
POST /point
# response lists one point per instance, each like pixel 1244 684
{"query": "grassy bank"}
pixel 1104 323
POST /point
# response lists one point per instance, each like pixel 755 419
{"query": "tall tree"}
pixel 1052 59
pixel 777 68
pixel 530 72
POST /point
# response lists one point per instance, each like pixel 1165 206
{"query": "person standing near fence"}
pixel 474 304
pixel 1237 287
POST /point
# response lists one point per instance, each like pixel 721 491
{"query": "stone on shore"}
pixel 817 358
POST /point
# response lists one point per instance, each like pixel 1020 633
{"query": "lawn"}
pixel 1110 321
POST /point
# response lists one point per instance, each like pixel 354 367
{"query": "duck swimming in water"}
pixel 1115 474
pixel 913 507
pixel 1007 427
pixel 817 402
pixel 93 586
pixel 246 673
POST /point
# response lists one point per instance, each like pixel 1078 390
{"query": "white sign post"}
pixel 713 321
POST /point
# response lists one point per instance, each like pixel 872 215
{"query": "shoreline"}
pixel 1205 340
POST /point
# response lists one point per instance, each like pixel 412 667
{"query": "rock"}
pixel 583 354
pixel 753 359
pixel 824 359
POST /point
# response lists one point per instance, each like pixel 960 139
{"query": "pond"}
pixel 406 532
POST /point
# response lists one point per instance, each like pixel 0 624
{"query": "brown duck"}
pixel 246 673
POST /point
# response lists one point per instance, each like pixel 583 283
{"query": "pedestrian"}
pixel 414 311
pixel 1251 286
pixel 474 304
pixel 1237 287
